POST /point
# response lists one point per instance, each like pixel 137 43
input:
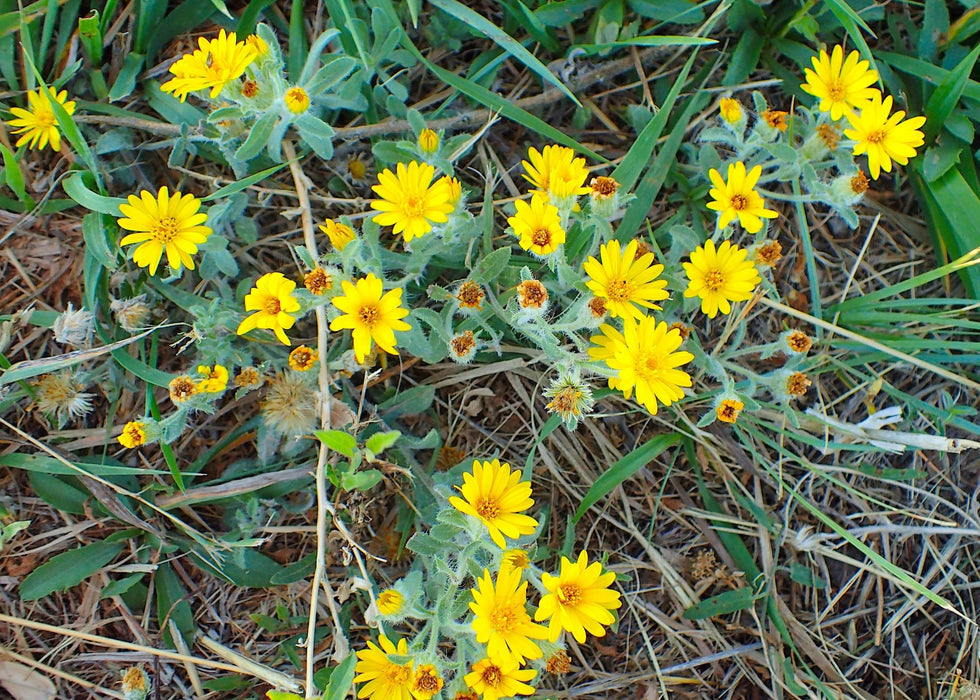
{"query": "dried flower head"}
pixel 303 358
pixel 727 410
pixel 135 683
pixel 829 135
pixel 775 118
pixel 860 183
pixel 250 89
pixel 470 296
pixel 289 407
pixel 460 695
pixel 133 434
pixel 249 378
pixel 681 328
pixel 296 99
pixel 797 384
pixel 597 307
pixel 182 388
pixel 603 187
pixel 60 395
pixel 73 327
pixel 704 565
pixel 531 294
pixel 768 254
pixel 318 281
pixel 571 398
pixel 798 342
pixel 730 109
pixel 428 142
pixel 462 347
pixel 131 314
pixel 559 663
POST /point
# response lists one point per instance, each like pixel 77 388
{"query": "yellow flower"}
pixel 556 171
pixel 390 602
pixel 384 679
pixel 605 347
pixel 647 361
pixel 426 683
pixel 515 559
pixel 212 66
pixel 537 225
pixel 731 110
pixel 578 600
pixel 272 301
pixel 410 202
pixel 257 43
pixel 37 123
pixel 339 234
pixel 297 100
pixel 624 280
pixel 884 138
pixel 500 617
pixel 841 85
pixel 494 679
pixel 428 142
pixel 496 495
pixel 727 410
pixel 133 434
pixel 164 223
pixel 738 198
pixel 317 281
pixel 720 276
pixel 371 315
pixel 215 380
pixel 455 188
pixel 303 358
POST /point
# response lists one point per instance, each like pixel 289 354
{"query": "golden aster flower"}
pixel 426 682
pixel 181 389
pixel 339 234
pixel 884 136
pixel 647 361
pixel 390 602
pixel 730 109
pixel 727 410
pixel 37 124
pixel 470 296
pixel 497 496
pixel 737 198
pixel 493 679
pixel 559 663
pixel 409 200
pixel 840 85
pixel 384 679
pixel 537 225
pixel 318 281
pixel 257 43
pixel 370 315
pixel 289 407
pixel 579 599
pixel 605 346
pixel 720 276
pixel 500 617
pixel 273 302
pixel 556 172
pixel 625 282
pixel 303 358
pixel 515 559
pixel 531 294
pixel 215 379
pixel 133 434
pixel 428 142
pixel 164 223
pixel 296 99
pixel 213 65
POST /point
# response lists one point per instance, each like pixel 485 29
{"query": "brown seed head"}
pixel 250 88
pixel 559 663
pixel 603 187
pixel 775 118
pixel 463 345
pixel 248 378
pixel 318 281
pixel 768 253
pixel 797 384
pixel 532 294
pixel 181 389
pixel 799 342
pixel 860 183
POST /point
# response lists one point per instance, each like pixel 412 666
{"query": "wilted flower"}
pixel 131 314
pixel 303 358
pixel 531 294
pixel 289 407
pixel 133 434
pixel 73 327
pixel 797 342
pixel 470 296
pixel 182 388
pixel 60 395
pixel 462 347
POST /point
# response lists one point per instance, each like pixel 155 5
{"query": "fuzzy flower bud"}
pixel 428 142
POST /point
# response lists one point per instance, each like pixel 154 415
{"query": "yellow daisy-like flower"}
pixel 257 43
pixel 212 66
pixel 737 198
pixel 605 346
pixel 841 85
pixel 578 600
pixel 730 109
pixel 537 225
pixel 720 276
pixel 133 434
pixel 339 234
pixel 500 617
pixel 37 124
pixel 647 361
pixel 384 679
pixel 390 602
pixel 493 679
pixel 165 223
pixel 215 379
pixel 883 136
pixel 426 683
pixel 272 301
pixel 409 200
pixel 556 172
pixel 625 280
pixel 371 314
pixel 497 496
pixel 515 559
pixel 296 99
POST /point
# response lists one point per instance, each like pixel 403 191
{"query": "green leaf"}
pixel 49 465
pixel 317 134
pixel 172 604
pixel 120 586
pixel 235 187
pixel 126 80
pixel 408 402
pixel 68 569
pixel 341 679
pixel 646 41
pixel 379 442
pixel 297 571
pixel 490 266
pixel 76 188
pixel 338 441
pixel 624 468
pixel 721 604
pixel 360 480
pixel 12 174
pixel 805 576
pixel 258 137
pixel 97 240
pixel 947 95
pixel 281 695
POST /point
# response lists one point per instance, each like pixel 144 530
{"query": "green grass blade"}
pixel 948 94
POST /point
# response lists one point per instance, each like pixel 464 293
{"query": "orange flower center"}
pixel 505 619
pixel 541 237
pixel 740 202
pixel 569 594
pixel 714 280
pixel 876 136
pixel 648 368
pixel 44 118
pixel 488 509
pixel 427 683
pixel 272 306
pixel 836 90
pixel 165 229
pixel 413 206
pixel 369 315
pixel 396 675
pixel 492 676
pixel 619 290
